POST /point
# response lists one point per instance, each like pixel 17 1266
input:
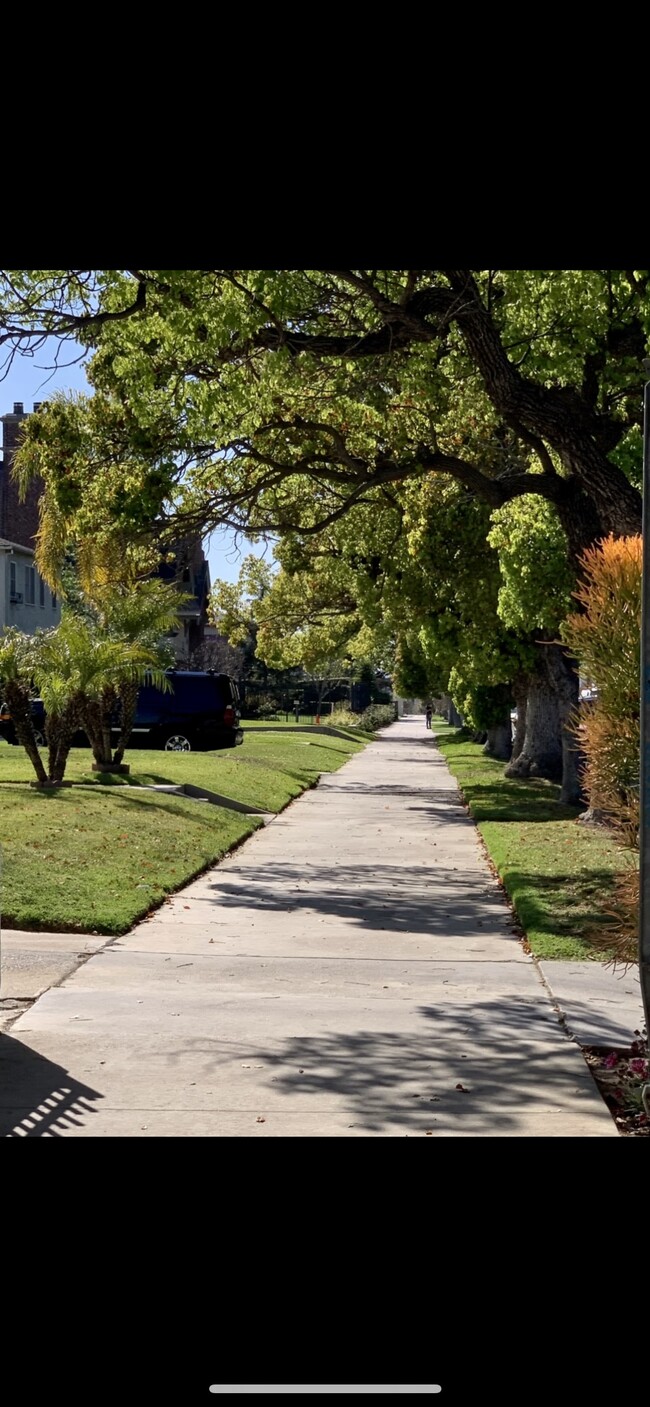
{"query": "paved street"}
pixel 350 971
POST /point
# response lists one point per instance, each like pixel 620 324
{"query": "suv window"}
pixel 197 693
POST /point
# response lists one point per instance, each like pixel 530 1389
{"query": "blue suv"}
pixel 200 713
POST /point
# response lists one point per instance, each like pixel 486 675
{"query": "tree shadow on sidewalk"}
pixel 418 899
pixel 479 1068
pixel 508 1054
pixel 38 1097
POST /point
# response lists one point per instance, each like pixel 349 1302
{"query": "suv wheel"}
pixel 39 738
pixel 176 742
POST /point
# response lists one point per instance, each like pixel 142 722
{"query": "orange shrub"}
pixel 606 638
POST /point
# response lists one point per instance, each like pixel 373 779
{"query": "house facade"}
pixel 25 599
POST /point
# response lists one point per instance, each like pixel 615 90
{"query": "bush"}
pixel 261 706
pixel 267 708
pixel 373 717
pixel 606 639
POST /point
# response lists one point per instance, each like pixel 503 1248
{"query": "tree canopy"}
pixel 276 401
pixel 431 451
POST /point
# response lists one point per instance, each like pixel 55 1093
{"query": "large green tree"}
pixel 225 394
pixel 281 401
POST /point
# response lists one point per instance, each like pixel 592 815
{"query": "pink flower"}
pixel 611 1060
pixel 639 1067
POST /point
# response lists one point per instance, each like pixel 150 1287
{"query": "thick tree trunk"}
pixel 106 740
pixel 95 716
pixel 21 714
pixel 541 752
pixel 563 674
pixel 129 700
pixel 521 704
pixel 106 710
pixel 559 416
pixel 499 740
pixel 60 730
pixel 91 718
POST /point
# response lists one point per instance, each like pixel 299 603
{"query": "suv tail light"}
pixel 229 716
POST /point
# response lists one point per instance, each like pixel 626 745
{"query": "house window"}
pixel 30 585
pixel 41 591
pixel 12 579
pixel 54 600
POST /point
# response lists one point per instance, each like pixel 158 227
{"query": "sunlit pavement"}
pixel 350 971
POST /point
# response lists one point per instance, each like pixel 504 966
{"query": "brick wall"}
pixel 18 521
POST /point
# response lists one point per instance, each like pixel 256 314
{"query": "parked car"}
pixel 199 713
pixel 8 732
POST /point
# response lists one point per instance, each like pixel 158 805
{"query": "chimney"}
pixel 19 408
pixel 37 405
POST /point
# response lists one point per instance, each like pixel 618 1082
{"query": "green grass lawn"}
pixel 558 874
pixel 96 859
pixel 290 722
pixel 254 725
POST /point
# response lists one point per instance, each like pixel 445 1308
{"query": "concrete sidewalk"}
pixel 350 971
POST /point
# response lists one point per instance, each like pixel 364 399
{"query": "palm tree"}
pixel 80 671
pixel 106 579
pixel 16 670
pixel 117 606
pixel 139 614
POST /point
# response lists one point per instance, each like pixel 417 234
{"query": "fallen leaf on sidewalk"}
pixel 463 1088
pixel 260 1120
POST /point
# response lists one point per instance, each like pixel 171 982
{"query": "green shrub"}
pixel 373 717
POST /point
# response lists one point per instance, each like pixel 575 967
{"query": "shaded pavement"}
pixel 350 971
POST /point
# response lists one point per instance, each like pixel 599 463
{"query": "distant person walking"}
pixel 428 715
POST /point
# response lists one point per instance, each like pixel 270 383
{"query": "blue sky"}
pixel 30 379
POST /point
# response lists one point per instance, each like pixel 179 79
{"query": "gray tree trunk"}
pixel 499 740
pixel 541 752
pixel 563 675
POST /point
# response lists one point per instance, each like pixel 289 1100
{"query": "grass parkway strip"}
pixel 558 874
pixel 98 857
